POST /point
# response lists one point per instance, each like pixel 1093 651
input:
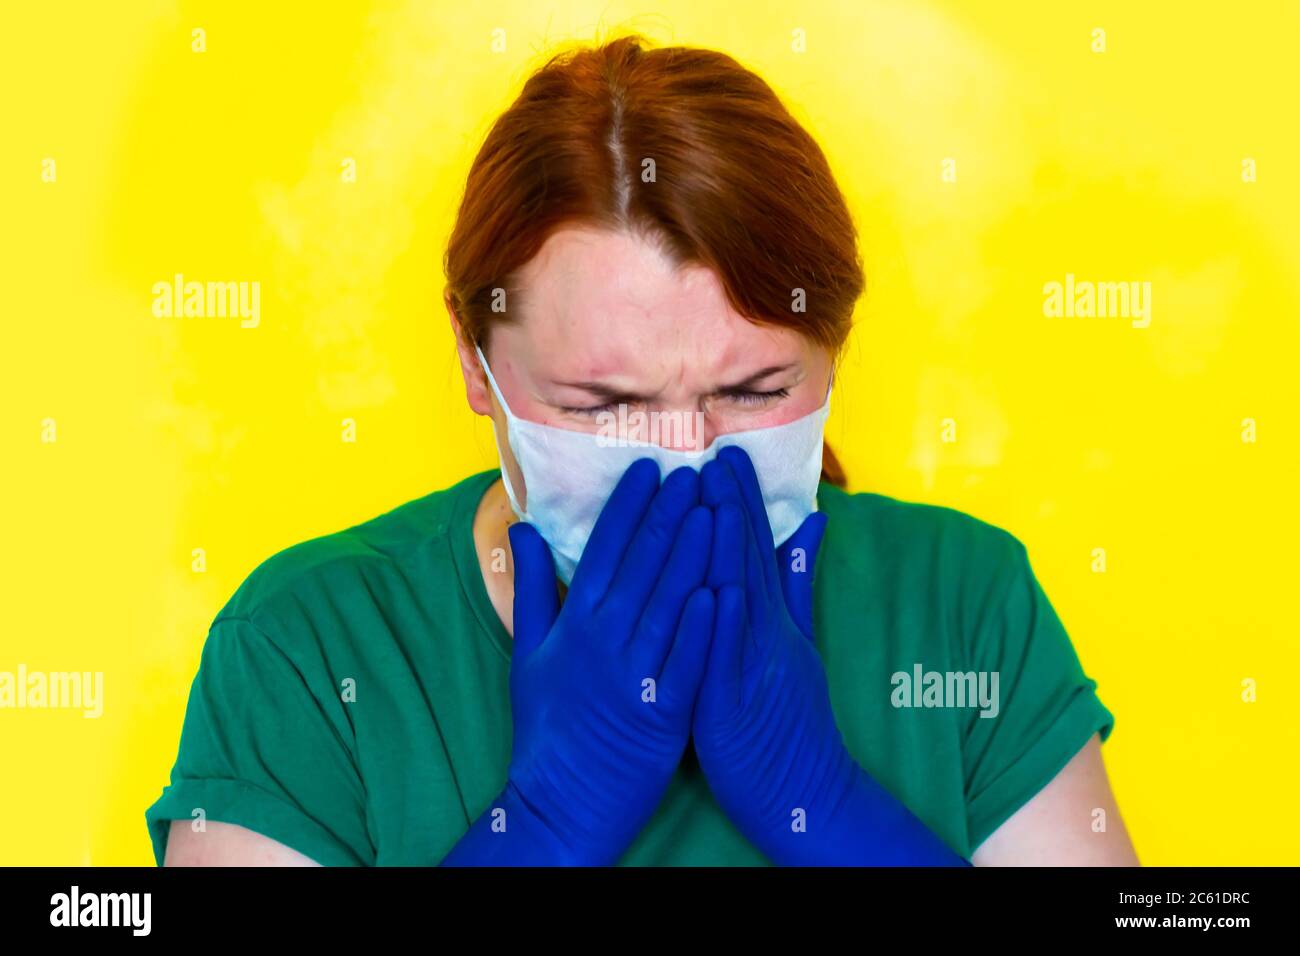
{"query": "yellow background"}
pixel 1075 434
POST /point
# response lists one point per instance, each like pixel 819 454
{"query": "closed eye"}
pixel 746 397
pixel 593 410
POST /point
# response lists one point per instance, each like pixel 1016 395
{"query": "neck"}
pixel 495 560
pixel 492 545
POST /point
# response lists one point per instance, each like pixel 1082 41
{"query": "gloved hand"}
pixel 601 690
pixel 764 730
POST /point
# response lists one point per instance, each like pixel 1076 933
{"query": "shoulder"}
pixel 321 573
pixel 951 577
pixel 879 527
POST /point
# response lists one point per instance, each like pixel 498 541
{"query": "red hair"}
pixel 682 146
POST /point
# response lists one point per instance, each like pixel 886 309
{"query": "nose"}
pixel 677 429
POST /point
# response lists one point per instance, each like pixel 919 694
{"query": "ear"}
pixel 477 392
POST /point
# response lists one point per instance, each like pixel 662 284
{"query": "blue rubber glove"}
pixel 764 730
pixel 601 690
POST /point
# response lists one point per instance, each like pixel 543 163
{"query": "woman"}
pixel 646 231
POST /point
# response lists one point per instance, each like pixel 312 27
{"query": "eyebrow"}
pixel 610 393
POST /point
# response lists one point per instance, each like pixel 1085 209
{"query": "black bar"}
pixel 204 906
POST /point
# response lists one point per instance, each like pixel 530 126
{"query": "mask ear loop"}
pixel 492 381
pixel 520 513
pixel 830 386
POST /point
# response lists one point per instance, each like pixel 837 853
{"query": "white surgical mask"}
pixel 569 475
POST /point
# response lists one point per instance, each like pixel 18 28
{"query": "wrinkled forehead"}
pixel 595 303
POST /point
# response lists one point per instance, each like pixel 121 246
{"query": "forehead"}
pixel 588 286
pixel 581 266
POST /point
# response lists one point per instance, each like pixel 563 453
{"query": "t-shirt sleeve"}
pixel 1048 707
pixel 266 745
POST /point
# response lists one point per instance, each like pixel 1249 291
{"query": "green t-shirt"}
pixel 352 699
